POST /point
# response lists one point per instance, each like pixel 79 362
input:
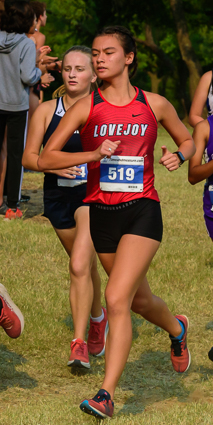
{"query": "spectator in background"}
pixel 48 62
pixel 3 152
pixel 41 56
pixel 17 73
pixel 39 9
pixel 3 168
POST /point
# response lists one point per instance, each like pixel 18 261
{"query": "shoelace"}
pixel 95 331
pixel 177 347
pixel 79 347
pixel 6 322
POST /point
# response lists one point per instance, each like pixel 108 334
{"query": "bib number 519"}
pixel 114 172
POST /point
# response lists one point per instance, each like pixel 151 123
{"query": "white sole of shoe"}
pixel 78 364
pixel 105 338
pixel 86 408
pixel 9 301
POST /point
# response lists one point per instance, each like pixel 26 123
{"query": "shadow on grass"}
pixel 98 363
pixel 9 376
pixel 209 326
pixel 209 263
pixel 206 372
pixel 151 379
pixel 35 205
pixel 68 322
pixel 136 322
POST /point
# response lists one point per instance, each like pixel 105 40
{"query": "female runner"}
pixel 203 137
pixel 203 96
pixel 64 191
pixel 118 127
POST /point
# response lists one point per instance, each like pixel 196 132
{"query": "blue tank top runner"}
pixel 53 181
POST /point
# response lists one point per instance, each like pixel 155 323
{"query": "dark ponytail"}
pixel 127 42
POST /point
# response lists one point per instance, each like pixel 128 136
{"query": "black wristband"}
pixel 180 156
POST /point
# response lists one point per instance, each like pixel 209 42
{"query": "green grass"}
pixel 37 388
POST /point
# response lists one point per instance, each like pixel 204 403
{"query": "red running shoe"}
pixel 101 406
pixel 18 213
pixel 180 355
pixel 13 213
pixel 97 336
pixel 79 354
pixel 11 318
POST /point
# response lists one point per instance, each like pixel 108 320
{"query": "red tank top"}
pixel 136 127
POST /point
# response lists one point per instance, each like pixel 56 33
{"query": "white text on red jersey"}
pixel 120 130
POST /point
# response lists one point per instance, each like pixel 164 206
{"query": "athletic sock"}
pixel 73 340
pixel 180 336
pixel 98 319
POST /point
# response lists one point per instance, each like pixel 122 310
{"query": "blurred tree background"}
pixel 174 39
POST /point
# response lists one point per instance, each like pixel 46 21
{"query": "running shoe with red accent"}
pixel 11 318
pixel 180 355
pixel 97 336
pixel 13 213
pixel 101 406
pixel 79 354
pixel 18 213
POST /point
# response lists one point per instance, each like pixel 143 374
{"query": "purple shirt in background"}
pixel 208 188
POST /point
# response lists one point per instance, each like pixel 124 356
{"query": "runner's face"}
pixel 77 73
pixel 109 59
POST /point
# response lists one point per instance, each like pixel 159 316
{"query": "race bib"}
pixel 79 179
pixel 122 174
pixel 211 195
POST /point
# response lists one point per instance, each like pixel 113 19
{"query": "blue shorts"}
pixel 60 206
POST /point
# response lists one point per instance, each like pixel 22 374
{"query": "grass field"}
pixel 36 386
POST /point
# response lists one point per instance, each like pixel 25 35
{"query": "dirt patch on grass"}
pixel 33 186
pixel 33 209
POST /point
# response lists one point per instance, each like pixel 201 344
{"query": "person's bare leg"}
pixel 96 309
pixel 83 265
pixel 66 237
pixel 82 262
pixel 154 309
pixel 130 265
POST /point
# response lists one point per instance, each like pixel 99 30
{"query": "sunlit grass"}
pixel 37 388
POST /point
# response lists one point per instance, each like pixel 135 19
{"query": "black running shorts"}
pixel 60 205
pixel 108 223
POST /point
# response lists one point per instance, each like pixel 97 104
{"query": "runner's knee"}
pixel 116 303
pixel 79 268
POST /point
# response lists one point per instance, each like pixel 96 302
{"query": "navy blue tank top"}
pixel 73 145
